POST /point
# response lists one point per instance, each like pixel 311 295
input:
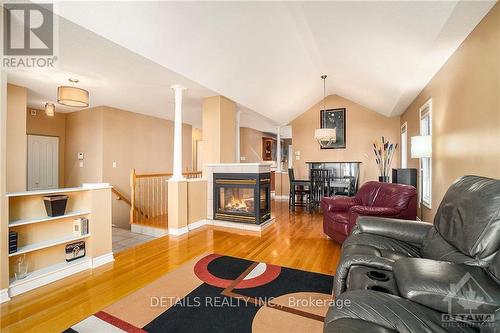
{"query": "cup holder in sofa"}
pixel 380 289
pixel 378 276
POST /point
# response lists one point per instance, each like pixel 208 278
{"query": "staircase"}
pixel 149 202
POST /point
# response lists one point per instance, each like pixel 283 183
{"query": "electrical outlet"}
pixel 81 164
pixel 297 157
pixel 243 158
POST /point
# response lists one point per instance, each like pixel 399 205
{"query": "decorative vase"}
pixel 383 179
pixel 21 268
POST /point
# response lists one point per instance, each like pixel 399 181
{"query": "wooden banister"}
pixel 191 174
pixel 149 194
pixel 120 196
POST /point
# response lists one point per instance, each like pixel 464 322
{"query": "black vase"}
pixel 383 179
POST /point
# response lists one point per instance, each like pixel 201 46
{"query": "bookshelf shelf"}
pixel 49 270
pixel 47 218
pixel 47 243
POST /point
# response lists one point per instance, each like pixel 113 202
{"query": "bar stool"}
pixel 299 188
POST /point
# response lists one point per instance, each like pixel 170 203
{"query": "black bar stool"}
pixel 300 188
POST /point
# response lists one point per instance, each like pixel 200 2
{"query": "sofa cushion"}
pixel 435 247
pixel 469 216
pixel 447 287
pixel 340 217
pixel 378 245
pixel 378 194
pixel 391 312
pixel 348 325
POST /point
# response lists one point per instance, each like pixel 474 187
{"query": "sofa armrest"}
pixel 413 232
pixel 446 286
pixel 338 203
pixel 374 211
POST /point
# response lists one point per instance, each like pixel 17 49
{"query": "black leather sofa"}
pixel 409 276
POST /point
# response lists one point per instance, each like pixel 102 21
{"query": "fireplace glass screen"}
pixel 236 200
pixel 264 200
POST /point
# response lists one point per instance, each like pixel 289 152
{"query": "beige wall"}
pixel 465 111
pixel 364 126
pixel 137 141
pixel 16 138
pixel 41 124
pixel 132 140
pixel 196 200
pixel 228 131
pixel 251 145
pixel 196 136
pixel 282 184
pixel 4 207
pixel 84 134
pixel 219 130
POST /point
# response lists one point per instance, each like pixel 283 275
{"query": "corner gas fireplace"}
pixel 242 197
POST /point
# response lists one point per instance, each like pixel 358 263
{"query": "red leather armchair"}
pixel 373 199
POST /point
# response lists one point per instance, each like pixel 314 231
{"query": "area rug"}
pixel 217 293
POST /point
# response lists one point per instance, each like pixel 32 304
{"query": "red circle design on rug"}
pixel 201 271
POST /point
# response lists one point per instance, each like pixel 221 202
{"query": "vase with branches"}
pixel 384 153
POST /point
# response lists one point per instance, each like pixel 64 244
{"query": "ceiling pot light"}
pixel 50 109
pixel 325 136
pixel 72 96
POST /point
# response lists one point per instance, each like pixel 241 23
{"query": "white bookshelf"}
pixel 43 237
pixel 47 218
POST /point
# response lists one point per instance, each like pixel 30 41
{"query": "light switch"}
pixel 80 156
pixel 297 157
pixel 81 164
pixel 114 164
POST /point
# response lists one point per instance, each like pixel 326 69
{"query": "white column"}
pixel 177 172
pixel 238 114
pixel 278 150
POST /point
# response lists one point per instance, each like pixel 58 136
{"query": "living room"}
pixel 333 168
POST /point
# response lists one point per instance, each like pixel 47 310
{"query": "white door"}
pixel 43 162
pixel 199 155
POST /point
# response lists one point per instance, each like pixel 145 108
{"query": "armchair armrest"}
pixel 407 231
pixel 338 203
pixel 446 286
pixel 374 211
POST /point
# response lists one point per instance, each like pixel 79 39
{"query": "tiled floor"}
pixel 124 239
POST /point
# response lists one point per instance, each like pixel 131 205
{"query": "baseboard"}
pixel 242 226
pixel 44 278
pixel 147 230
pixel 102 260
pixel 4 295
pixel 178 231
pixel 197 224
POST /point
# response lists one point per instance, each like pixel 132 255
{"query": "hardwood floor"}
pixel 295 240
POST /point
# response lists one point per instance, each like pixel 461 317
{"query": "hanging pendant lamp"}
pixel 72 96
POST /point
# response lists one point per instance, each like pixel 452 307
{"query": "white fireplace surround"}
pixel 210 169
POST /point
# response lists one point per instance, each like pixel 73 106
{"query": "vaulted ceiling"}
pixel 268 56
